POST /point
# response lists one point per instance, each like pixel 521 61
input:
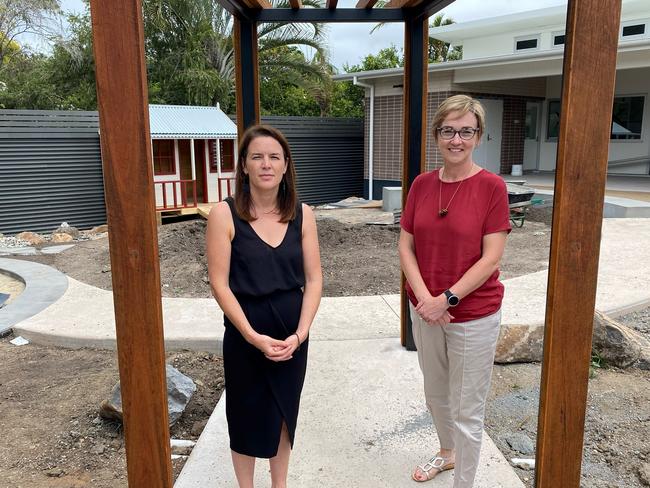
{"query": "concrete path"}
pixel 363 424
pixel 84 316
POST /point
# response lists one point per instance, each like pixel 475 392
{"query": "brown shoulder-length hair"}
pixel 287 196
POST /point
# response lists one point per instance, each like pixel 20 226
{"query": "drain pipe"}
pixel 371 139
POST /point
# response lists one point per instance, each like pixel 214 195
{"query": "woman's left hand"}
pixel 284 353
pixel 433 310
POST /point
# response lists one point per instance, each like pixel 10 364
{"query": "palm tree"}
pixel 439 50
pixel 189 43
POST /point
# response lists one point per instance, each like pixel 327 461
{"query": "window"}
pixel 627 118
pixel 634 30
pixel 558 40
pixel 524 44
pixel 553 125
pixel 163 157
pixel 226 152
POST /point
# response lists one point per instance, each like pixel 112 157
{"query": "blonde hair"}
pixel 462 104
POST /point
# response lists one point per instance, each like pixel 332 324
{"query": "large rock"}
pixel 32 237
pixel 100 229
pixel 616 343
pixel 180 389
pixel 520 442
pixel 520 344
pixel 60 237
pixel 66 228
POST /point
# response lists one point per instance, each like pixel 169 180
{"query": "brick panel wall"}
pixel 388 133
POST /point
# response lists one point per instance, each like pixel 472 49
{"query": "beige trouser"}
pixel 456 362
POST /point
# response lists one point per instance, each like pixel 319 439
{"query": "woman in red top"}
pixel 454 229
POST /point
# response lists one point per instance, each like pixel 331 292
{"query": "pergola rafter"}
pixel 588 90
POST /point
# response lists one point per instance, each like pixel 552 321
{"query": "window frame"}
pixel 645 101
pixel 215 156
pixel 173 157
pixel 557 34
pixel 535 37
pixel 640 139
pixel 631 23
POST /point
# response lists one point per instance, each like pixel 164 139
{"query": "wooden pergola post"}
pixel 414 130
pixel 247 88
pixel 118 43
pixel 585 125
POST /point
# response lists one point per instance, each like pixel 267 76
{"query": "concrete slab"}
pixel 18 251
pixel 56 249
pixel 84 317
pixel 363 423
pixel 43 286
pixel 613 207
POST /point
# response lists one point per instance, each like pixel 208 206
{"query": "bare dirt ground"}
pixel 49 396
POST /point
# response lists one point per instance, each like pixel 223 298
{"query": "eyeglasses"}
pixel 448 133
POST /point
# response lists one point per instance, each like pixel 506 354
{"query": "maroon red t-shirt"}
pixel 446 247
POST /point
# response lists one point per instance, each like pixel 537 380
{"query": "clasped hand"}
pixel 433 310
pixel 275 349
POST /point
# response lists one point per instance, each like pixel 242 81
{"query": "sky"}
pixel 350 43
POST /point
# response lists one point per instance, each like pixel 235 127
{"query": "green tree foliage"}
pixel 63 80
pixel 191 55
pixel 190 61
pixel 348 98
pixel 22 17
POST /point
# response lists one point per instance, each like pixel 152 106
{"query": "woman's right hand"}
pixel 273 349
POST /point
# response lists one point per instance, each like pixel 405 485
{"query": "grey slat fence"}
pixel 51 172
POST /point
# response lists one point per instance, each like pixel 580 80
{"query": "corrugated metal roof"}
pixel 182 122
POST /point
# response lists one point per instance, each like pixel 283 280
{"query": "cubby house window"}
pixel 227 150
pixel 227 153
pixel 627 118
pixel 526 43
pixel 633 30
pixel 163 157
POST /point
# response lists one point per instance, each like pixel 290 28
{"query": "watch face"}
pixel 453 300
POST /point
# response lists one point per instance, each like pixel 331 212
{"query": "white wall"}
pixel 628 82
pixel 213 178
pixel 504 44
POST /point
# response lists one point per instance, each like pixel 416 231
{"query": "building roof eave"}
pixel 494 61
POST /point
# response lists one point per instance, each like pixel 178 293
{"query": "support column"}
pixel 118 43
pixel 414 131
pixel 585 123
pixel 247 90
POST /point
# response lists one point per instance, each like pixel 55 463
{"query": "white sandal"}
pixel 433 467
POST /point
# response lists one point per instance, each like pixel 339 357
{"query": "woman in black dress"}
pixel 265 273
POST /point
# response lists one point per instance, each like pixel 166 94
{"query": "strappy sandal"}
pixel 433 467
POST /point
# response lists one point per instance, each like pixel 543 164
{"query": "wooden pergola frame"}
pixel 587 97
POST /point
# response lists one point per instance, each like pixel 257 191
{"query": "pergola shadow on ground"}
pixel 587 95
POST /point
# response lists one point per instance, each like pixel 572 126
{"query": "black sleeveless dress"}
pixel 260 394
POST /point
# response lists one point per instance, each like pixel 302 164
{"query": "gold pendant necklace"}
pixel 444 211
